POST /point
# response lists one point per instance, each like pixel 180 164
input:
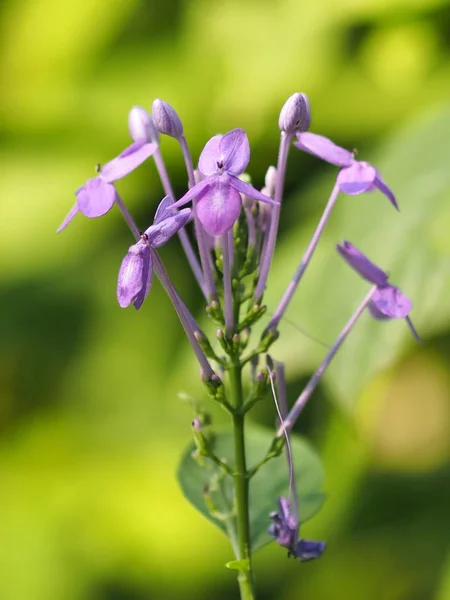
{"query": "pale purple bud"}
pixel 270 181
pixel 166 119
pixel 197 424
pixel 295 114
pixel 135 276
pixel 141 126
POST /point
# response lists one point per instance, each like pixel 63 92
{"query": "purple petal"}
pixel 210 156
pixel 323 148
pixel 390 302
pixel 127 161
pixel 160 233
pixel 384 189
pixel 147 277
pixel 96 197
pixel 134 275
pixel 234 151
pixel 357 178
pixel 248 190
pixel 219 207
pixel 70 216
pixel 361 264
pixel 307 550
pixel 198 190
pixel 165 209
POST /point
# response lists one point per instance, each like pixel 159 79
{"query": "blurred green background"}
pixel 91 426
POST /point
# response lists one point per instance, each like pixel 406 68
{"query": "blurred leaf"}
pixel 411 245
pixel 266 486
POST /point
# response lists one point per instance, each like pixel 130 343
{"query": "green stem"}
pixel 241 482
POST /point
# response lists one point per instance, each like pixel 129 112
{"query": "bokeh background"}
pixel 91 424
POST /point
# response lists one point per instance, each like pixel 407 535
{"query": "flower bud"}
pixel 166 119
pixel 270 181
pixel 295 114
pixel 141 126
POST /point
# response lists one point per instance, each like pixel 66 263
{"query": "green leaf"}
pixel 413 245
pixel 270 482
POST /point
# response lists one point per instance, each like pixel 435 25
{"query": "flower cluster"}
pixel 235 227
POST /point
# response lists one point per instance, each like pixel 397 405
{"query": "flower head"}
pixel 355 177
pixel 223 159
pixel 284 530
pixel 388 301
pixel 136 270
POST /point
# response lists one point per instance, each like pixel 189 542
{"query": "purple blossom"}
pixel 97 196
pixel 355 177
pixel 388 301
pixel 136 270
pixel 218 195
pixel 284 530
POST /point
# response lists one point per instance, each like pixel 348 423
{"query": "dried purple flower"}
pixel 355 177
pixel 136 270
pixel 284 530
pixel 166 119
pixel 388 301
pixel 218 197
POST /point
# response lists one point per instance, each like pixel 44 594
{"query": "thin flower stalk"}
pixel 180 309
pixel 185 242
pixel 290 291
pixel 269 247
pixel 200 233
pixel 227 250
pixel 312 383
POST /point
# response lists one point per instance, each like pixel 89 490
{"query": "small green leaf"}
pixel 239 565
pixel 204 487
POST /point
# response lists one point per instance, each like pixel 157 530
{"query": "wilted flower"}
pixel 136 270
pixel 223 159
pixel 284 530
pixel 355 177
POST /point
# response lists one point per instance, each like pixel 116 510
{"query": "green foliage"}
pixel 211 492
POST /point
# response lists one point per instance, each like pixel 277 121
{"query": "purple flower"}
pixel 136 270
pixel 223 159
pixel 355 177
pixel 388 301
pixel 284 530
pixel 97 196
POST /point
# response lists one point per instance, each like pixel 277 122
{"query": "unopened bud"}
pixel 295 114
pixel 270 181
pixel 141 126
pixel 197 424
pixel 166 119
